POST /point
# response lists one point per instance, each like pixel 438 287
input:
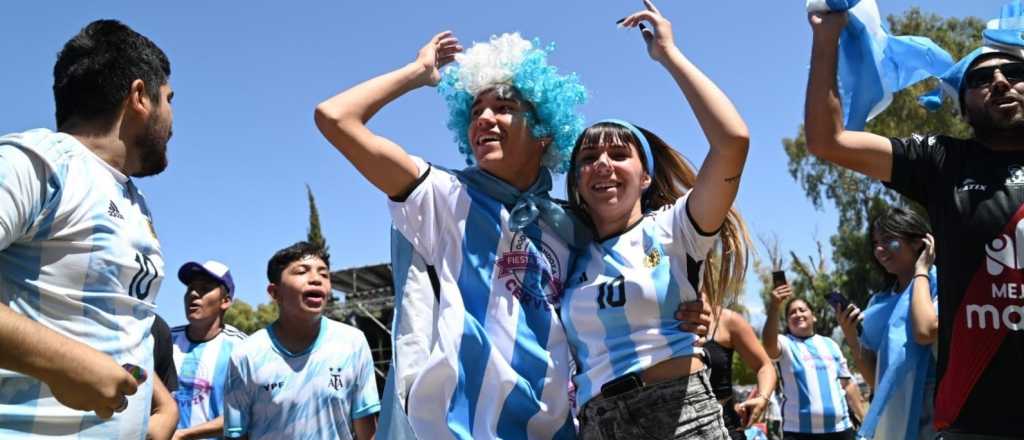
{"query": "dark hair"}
pixel 293 253
pixel 896 222
pixel 95 70
pixel 673 177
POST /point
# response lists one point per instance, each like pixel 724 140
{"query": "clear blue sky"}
pixel 247 76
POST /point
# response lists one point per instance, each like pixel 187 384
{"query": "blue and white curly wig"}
pixel 510 61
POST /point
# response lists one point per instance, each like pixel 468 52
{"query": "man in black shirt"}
pixel 973 190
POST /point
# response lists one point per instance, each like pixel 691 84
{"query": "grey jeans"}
pixel 682 408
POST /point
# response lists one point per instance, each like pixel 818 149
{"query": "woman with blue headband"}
pixel 656 222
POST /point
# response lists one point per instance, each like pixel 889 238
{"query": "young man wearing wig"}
pixel 493 362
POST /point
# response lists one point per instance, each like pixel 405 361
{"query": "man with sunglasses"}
pixel 973 190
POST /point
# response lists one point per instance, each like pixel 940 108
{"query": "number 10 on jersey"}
pixel 612 293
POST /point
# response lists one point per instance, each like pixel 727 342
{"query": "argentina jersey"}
pixel 814 401
pixel 202 370
pixel 498 366
pixel 273 394
pixel 619 310
pixel 79 255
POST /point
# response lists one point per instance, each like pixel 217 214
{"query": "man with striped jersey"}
pixel 80 263
pixel 202 349
pixel 304 376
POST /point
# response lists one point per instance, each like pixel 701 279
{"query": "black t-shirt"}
pixel 974 199
pixel 163 354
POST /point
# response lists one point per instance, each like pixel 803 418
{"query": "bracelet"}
pixel 923 275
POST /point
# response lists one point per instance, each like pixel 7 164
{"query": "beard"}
pixel 152 147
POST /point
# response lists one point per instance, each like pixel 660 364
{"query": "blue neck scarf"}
pixel 527 206
pixel 903 365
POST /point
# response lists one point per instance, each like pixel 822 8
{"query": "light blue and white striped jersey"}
pixel 813 399
pixel 316 394
pixel 620 307
pixel 202 372
pixel 79 255
pixel 498 365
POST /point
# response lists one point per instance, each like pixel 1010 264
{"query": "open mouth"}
pixel 604 187
pixel 314 298
pixel 487 138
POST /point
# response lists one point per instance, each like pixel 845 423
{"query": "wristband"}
pixel 923 275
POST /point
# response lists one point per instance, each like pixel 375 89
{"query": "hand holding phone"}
pixel 778 278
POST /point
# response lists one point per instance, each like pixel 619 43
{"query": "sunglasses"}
pixel 983 76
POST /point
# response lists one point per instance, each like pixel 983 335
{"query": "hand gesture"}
pixel 927 256
pixel 695 317
pixel 781 294
pixel 827 25
pixel 750 411
pixel 848 320
pixel 436 54
pixel 659 40
pixel 92 381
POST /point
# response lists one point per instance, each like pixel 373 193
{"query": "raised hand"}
pixel 848 320
pixel 437 53
pixel 827 25
pixel 781 294
pixel 659 39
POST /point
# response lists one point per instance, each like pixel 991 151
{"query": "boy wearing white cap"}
pixel 202 348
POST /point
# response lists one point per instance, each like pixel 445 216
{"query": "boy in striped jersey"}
pixel 304 376
pixel 80 263
pixel 202 349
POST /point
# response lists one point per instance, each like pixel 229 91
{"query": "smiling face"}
pixel 303 289
pixel 500 136
pixel 997 105
pixel 897 255
pixel 800 318
pixel 610 176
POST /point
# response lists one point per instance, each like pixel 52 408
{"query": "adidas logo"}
pixel 114 212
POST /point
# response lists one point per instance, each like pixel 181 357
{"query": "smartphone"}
pixel 778 278
pixel 837 300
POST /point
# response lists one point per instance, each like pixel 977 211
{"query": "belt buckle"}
pixel 622 384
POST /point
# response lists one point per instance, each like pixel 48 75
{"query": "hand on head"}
pixel 659 39
pixel 437 53
pixel 927 256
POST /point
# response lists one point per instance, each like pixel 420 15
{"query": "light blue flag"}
pixel 394 422
pixel 873 64
pixel 1002 35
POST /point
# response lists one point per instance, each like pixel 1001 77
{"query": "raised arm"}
pixel 753 354
pixel 923 318
pixel 866 153
pixel 726 132
pixel 342 119
pixel 770 334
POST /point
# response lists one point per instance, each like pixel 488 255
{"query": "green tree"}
pixel 313 234
pixel 242 316
pixel 858 198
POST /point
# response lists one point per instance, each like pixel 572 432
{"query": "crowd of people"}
pixel 517 315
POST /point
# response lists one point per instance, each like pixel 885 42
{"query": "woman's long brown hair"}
pixel 727 261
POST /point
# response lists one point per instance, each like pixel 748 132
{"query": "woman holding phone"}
pixel 900 324
pixel 815 378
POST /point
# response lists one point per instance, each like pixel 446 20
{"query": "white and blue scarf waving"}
pixel 904 366
pixel 873 64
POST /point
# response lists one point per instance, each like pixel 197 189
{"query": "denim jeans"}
pixel 682 408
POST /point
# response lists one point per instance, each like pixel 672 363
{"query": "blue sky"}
pixel 247 76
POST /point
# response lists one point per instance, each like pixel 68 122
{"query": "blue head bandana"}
pixel 646 146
